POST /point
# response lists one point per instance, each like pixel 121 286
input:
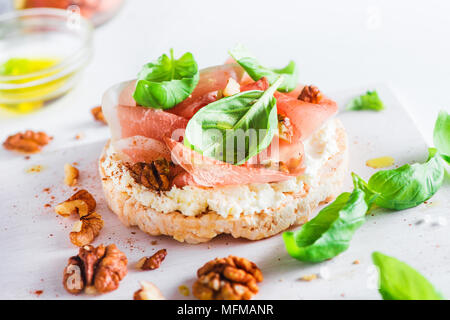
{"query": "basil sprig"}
pixel 235 128
pixel 441 135
pixel 256 71
pixel 166 82
pixel 407 186
pixel 330 232
pixel 367 101
pixel 398 281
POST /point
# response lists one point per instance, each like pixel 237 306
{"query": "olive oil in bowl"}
pixel 26 71
pixel 42 55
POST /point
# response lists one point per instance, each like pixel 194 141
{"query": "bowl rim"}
pixel 83 51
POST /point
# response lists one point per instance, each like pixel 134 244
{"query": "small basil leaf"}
pixel 359 183
pixel 164 83
pixel 256 71
pixel 398 281
pixel 367 101
pixel 441 135
pixel 330 232
pixel 409 185
pixel 235 128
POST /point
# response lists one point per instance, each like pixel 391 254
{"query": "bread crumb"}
pixel 35 169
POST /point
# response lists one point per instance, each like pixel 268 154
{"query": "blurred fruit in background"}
pixel 97 11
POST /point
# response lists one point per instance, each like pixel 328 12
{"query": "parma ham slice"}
pixel 210 172
pixel 144 134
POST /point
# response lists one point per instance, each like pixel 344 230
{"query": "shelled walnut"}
pixel 71 175
pixel 88 227
pixel 153 262
pixel 148 291
pixel 154 175
pixel 27 142
pixel 82 203
pixel 97 113
pixel 231 278
pixel 310 94
pixel 285 129
pixel 95 270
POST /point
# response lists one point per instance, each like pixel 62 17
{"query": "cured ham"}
pixel 211 80
pixel 304 116
pixel 209 172
pixel 142 149
pixel 144 134
pixel 148 122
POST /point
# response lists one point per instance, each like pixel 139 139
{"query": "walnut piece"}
pixel 71 175
pixel 82 203
pixel 97 113
pixel 148 291
pixel 285 129
pixel 154 175
pixel 231 88
pixel 27 142
pixel 309 277
pixel 153 262
pixel 310 94
pixel 95 270
pixel 231 278
pixel 86 229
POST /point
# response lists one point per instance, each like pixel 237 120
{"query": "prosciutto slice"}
pixel 304 116
pixel 211 81
pixel 137 133
pixel 145 134
pixel 208 172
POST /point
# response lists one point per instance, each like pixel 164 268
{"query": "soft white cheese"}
pixel 231 200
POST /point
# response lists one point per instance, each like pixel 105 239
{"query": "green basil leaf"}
pixel 367 101
pixel 235 128
pixel 409 185
pixel 441 135
pixel 164 83
pixel 398 281
pixel 256 71
pixel 330 232
pixel 359 183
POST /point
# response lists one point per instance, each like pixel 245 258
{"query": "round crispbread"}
pixel 205 226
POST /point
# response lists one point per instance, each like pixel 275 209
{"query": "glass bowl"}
pixel 42 54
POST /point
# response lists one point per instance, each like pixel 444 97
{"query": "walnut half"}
pixel 153 262
pixel 231 278
pixel 82 203
pixel 310 94
pixel 154 175
pixel 27 142
pixel 148 291
pixel 88 227
pixel 95 270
